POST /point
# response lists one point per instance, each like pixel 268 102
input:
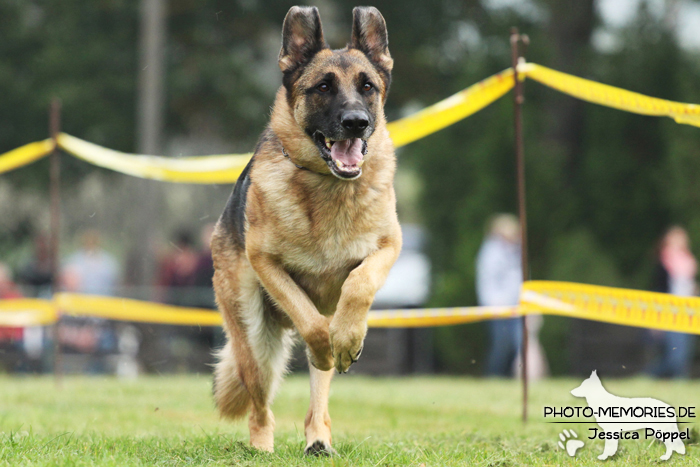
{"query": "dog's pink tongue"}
pixel 348 151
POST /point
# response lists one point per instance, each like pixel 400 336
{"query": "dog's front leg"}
pixel 312 326
pixel 349 325
pixel 317 425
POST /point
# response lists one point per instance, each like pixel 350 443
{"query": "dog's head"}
pixel 336 96
pixel 588 387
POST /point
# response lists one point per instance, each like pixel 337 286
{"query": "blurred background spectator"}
pixel 185 271
pixel 35 275
pixel 184 275
pixel 204 273
pixel 675 274
pixel 177 272
pixel 35 279
pixel 10 337
pixel 89 341
pixel 8 289
pixel 498 281
pixel 91 270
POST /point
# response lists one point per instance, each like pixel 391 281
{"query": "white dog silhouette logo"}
pixel 613 424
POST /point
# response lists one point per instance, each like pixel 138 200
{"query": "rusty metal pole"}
pixel 55 213
pixel 519 98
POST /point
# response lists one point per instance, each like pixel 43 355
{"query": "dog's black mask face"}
pixel 336 96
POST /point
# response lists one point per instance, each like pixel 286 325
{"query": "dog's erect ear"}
pixel 302 37
pixel 369 35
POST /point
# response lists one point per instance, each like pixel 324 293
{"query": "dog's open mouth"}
pixel 344 157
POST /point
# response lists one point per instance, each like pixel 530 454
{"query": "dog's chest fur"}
pixel 322 265
pixel 318 227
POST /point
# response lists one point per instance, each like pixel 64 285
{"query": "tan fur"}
pixel 317 424
pixel 317 249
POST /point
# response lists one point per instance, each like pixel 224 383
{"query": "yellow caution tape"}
pixel 27 312
pixel 451 110
pixel 25 155
pixel 124 309
pixel 611 96
pixel 227 168
pixel 195 169
pixel 427 317
pixel 612 305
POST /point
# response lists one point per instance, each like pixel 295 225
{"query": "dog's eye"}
pixel 323 87
pixel 367 87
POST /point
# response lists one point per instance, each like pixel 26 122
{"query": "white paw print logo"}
pixel 569 443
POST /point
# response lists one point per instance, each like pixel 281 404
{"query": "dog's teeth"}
pixel 339 164
pixel 328 141
pixel 359 164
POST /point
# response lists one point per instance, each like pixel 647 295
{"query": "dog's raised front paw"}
pixel 346 344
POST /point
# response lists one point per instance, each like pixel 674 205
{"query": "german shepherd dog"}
pixel 310 232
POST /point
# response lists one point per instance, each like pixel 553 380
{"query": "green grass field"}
pixel 376 422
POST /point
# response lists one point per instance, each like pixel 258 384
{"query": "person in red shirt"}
pixel 675 273
pixel 10 337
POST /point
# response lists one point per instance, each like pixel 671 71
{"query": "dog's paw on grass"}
pixel 320 449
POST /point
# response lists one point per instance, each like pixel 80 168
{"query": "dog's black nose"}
pixel 355 121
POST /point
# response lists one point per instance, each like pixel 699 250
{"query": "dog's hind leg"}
pixel 270 343
pixel 235 358
pixel 317 425
pixel 252 364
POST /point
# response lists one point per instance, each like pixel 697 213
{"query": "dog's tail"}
pixel 230 394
